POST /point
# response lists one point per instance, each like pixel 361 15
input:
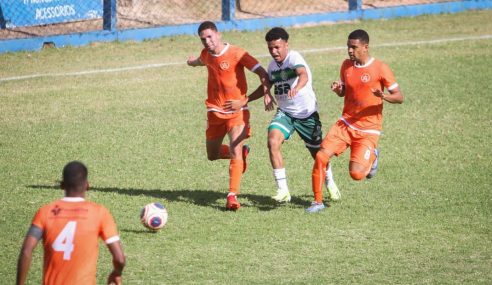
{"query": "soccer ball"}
pixel 153 216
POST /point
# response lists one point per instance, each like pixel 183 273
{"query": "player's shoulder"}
pixel 294 53
pixel 295 56
pixel 50 205
pixel 96 205
pixel 347 63
pixel 378 62
pixel 380 65
pixel 235 49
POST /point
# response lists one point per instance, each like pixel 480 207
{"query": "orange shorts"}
pixel 341 136
pixel 218 125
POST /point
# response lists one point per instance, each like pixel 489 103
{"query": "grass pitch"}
pixel 424 219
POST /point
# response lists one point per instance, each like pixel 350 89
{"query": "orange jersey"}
pixel 71 228
pixel 362 110
pixel 226 76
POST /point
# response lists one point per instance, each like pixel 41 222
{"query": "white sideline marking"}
pixel 157 65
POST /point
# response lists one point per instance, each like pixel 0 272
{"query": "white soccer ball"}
pixel 154 216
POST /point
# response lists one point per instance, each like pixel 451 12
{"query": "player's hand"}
pixel 234 105
pixel 292 92
pixel 269 102
pixel 377 93
pixel 115 279
pixel 337 87
pixel 192 61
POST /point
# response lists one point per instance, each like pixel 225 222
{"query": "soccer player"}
pixel 297 110
pixel 70 229
pixel 227 110
pixel 363 80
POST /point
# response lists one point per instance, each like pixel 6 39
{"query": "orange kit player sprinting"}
pixel 362 83
pixel 70 229
pixel 227 110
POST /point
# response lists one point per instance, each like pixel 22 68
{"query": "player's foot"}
pixel 375 166
pixel 232 203
pixel 282 196
pixel 246 150
pixel 315 207
pixel 333 192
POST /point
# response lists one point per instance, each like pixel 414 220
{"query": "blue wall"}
pixel 354 12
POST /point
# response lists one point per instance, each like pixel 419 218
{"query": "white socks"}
pixel 281 179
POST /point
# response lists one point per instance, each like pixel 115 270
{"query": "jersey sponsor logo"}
pixel 56 210
pixel 365 77
pixel 224 65
pixel 283 75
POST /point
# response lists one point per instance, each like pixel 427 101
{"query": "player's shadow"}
pixel 205 198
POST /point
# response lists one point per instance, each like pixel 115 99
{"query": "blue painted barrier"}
pixel 229 23
pixel 24 13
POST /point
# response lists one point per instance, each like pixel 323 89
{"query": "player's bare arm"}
pixel 395 96
pixel 194 61
pixel 268 100
pixel 301 82
pixel 337 87
pixel 259 93
pixel 25 258
pixel 114 277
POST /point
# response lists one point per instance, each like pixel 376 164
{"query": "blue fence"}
pixel 104 13
pixel 42 12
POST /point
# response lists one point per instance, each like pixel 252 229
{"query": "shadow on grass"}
pixel 205 198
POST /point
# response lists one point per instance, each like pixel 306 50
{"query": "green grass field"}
pixel 425 219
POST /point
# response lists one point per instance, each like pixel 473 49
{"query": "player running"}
pixel 362 82
pixel 227 110
pixel 297 110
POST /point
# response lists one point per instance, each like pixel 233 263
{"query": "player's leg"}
pixel 238 130
pixel 275 140
pixel 215 148
pixel 362 156
pixel 215 133
pixel 374 165
pixel 237 137
pixel 279 130
pixel 335 143
pixel 310 130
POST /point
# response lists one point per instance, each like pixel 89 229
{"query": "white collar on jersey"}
pixel 226 47
pixel 73 199
pixel 365 65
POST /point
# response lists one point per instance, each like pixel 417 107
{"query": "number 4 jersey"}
pixel 284 77
pixel 71 229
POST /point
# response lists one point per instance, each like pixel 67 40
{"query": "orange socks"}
pixel 318 175
pixel 235 173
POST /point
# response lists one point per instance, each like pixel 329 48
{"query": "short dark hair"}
pixel 207 25
pixel 277 33
pixel 74 175
pixel 360 35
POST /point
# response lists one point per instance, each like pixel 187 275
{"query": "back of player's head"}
pixel 207 25
pixel 277 33
pixel 360 35
pixel 74 175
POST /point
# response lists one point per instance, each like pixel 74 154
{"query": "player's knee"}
pixel 357 175
pixel 321 159
pixel 274 144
